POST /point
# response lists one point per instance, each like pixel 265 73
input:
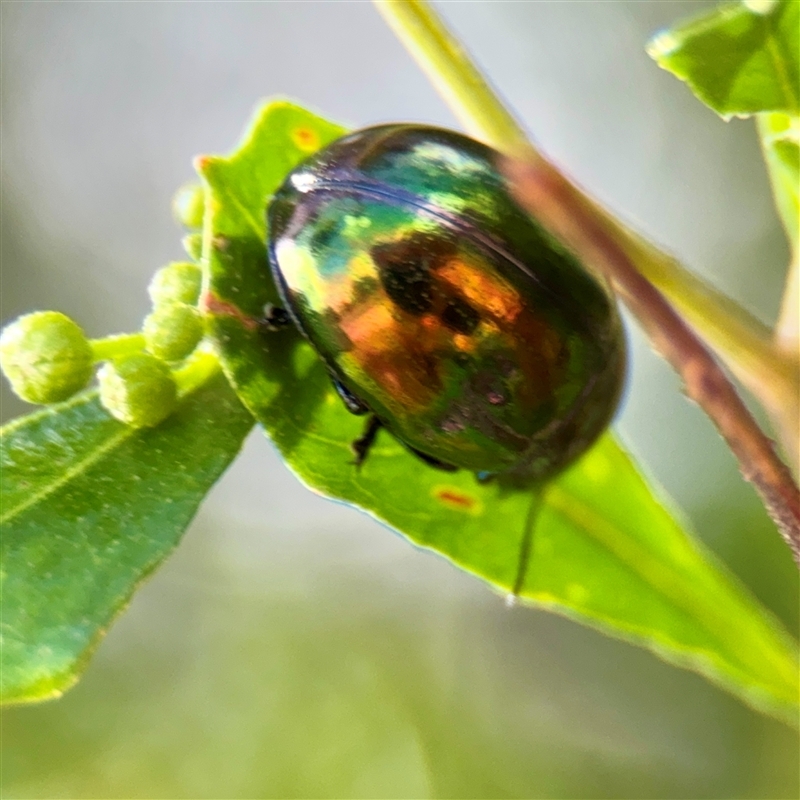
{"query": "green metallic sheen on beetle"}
pixel 472 335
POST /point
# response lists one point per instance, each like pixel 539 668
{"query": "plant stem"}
pixel 562 208
pixel 120 344
pixel 786 416
pixel 201 365
pixel 787 331
pixel 195 371
pixel 452 71
pixel 635 267
pixel 745 344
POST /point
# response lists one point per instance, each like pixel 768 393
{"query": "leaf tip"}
pixel 761 7
pixel 662 45
pixel 203 163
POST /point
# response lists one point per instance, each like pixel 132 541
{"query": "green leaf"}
pixel 606 551
pixel 90 508
pixel 780 141
pixel 739 59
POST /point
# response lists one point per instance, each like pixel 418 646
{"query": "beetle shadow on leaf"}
pixel 274 376
pixel 240 274
pixel 304 385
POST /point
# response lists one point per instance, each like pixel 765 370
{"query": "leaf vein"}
pixel 69 474
pixel 641 562
pixel 774 50
pixel 256 228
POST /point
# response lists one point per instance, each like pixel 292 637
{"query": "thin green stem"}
pixel 201 365
pixel 195 371
pixel 120 344
pixel 638 270
pixel 548 196
pixel 453 72
pixel 744 343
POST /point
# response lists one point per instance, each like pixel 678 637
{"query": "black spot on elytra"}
pixel 460 316
pixel 405 269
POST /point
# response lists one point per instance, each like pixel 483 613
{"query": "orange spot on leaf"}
pixel 305 139
pixel 212 304
pixel 455 498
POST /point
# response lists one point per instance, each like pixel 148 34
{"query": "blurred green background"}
pixel 293 647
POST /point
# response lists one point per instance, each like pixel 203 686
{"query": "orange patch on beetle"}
pixel 457 499
pixel 306 140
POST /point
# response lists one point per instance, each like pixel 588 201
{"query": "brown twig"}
pixel 546 194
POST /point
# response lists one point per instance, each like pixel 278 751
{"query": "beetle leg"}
pixel 354 405
pixel 363 444
pixel 526 545
pixel 433 462
pixel 275 318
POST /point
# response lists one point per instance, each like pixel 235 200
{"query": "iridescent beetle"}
pixel 440 308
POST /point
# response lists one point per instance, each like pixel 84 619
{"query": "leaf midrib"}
pixel 640 561
pixel 70 473
pixel 637 558
pixel 776 53
pixel 248 219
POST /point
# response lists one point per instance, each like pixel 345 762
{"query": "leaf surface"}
pixel 606 551
pixel 740 59
pixel 780 141
pixel 90 508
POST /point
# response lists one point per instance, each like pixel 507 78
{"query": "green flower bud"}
pixel 46 357
pixel 172 331
pixel 178 282
pixel 193 245
pixel 189 204
pixel 138 390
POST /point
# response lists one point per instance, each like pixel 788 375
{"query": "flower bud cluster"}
pixel 189 205
pixel 137 389
pixel 175 327
pixel 47 358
